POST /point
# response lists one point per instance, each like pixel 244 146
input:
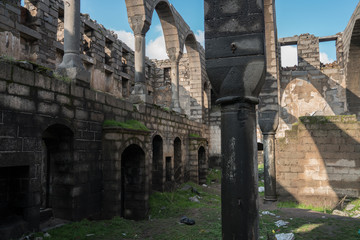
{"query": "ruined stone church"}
pixel 89 128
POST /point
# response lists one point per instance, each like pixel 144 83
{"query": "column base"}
pixel 178 110
pixel 140 98
pixel 80 76
pixel 270 199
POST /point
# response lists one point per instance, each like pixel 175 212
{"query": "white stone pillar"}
pixel 140 85
pixel 71 65
pixel 175 100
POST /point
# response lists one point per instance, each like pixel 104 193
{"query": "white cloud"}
pixel 200 37
pixel 127 37
pixel 324 58
pixel 289 56
pixel 156 49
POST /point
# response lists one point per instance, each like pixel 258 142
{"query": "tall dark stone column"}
pixel 235 62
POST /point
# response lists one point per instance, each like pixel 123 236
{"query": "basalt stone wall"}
pixel 318 160
pixel 45 117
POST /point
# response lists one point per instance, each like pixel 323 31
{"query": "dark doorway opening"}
pixel 177 161
pixel 56 173
pixel 133 192
pixel 202 165
pixel 14 195
pixel 157 165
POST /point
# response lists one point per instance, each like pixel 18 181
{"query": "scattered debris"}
pixel 90 235
pixel 267 213
pixel 281 223
pixel 340 213
pixel 350 207
pixel 204 185
pixel 187 221
pixel 261 189
pixel 285 236
pixel 188 187
pixel 47 235
pixel 195 199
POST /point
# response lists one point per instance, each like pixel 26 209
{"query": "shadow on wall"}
pixel 318 160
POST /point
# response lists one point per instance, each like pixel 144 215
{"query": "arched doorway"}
pixel 177 161
pixel 133 192
pixel 157 164
pixel 202 165
pixel 56 172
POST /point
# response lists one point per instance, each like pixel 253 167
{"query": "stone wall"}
pixel 39 112
pixel 308 89
pixel 189 91
pixel 35 32
pixel 318 160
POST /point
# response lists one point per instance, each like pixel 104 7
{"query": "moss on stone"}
pixel 327 119
pixel 194 135
pixel 130 124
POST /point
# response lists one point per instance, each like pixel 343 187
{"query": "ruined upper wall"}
pixel 310 89
pixel 35 32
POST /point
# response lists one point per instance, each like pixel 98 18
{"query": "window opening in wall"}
pixel 88 33
pixel 108 51
pixel 125 87
pixel 327 51
pixel 289 56
pixel 167 75
pixel 60 26
pixel 124 61
pixel 168 169
pixel 108 81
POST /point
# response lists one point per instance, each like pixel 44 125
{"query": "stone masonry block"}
pixel 23 76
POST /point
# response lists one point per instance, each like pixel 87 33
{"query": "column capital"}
pixel 174 55
pixel 138 25
pixel 268 121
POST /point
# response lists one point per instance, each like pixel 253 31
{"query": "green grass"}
pixel 175 203
pixel 290 204
pixel 167 209
pixel 214 176
pixel 130 124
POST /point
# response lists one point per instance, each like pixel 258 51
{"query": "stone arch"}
pixel 56 171
pixel 353 71
pixel 193 52
pixel 202 166
pixel 169 26
pixel 178 164
pixel 133 183
pixel 157 163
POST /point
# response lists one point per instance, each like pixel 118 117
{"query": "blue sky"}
pixel 294 17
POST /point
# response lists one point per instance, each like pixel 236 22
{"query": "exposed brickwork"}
pixel 318 160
